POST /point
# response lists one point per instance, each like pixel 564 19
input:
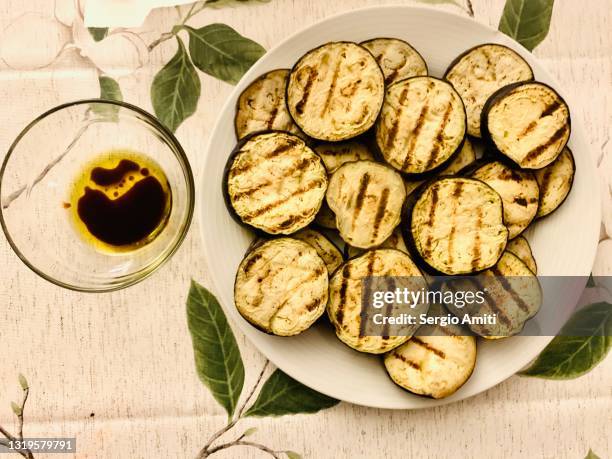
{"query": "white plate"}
pixel 563 244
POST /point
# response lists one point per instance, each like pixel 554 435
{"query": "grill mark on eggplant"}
pixel 547 112
pixel 300 165
pixel 363 316
pixel 559 133
pixel 279 202
pixel 431 220
pixel 414 365
pixel 429 347
pixel 521 201
pixel 312 305
pixel 363 187
pixel 439 137
pixel 476 255
pixel 380 213
pixel 501 314
pixel 546 179
pixel 391 76
pixel 490 65
pixel 346 273
pixel 508 288
pixel 273 115
pixel 398 114
pixel 415 134
pixel 451 236
pixel 331 89
pixel 312 75
pixel 288 145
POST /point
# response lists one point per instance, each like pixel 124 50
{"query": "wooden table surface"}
pixel 116 370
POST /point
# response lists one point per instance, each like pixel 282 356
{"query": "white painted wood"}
pixel 127 358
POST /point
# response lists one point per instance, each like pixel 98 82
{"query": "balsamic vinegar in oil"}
pixel 120 201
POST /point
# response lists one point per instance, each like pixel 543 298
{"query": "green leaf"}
pixel 98 33
pixel 293 455
pixel 282 395
pixel 16 409
pixel 527 21
pixel 217 356
pixel 23 382
pixel 176 89
pixel 109 89
pixel 591 455
pixel 582 343
pixel 231 3
pixel 221 52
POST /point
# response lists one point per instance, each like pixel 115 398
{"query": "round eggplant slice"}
pixel 421 126
pixel 397 59
pixel 519 192
pixel 345 288
pixel 521 248
pixel 261 106
pixel 434 366
pixel 335 155
pixel 480 71
pixel 555 182
pixel 275 183
pixel 513 296
pixel 528 123
pixel 326 249
pixel 395 241
pixel 282 286
pixel 455 226
pixel 325 218
pixel 367 199
pixel 465 157
pixel 335 92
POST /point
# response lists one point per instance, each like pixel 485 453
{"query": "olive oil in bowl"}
pixel 120 201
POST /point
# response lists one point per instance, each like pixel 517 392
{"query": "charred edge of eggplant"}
pixel 406 229
pixel 456 60
pixel 432 172
pixel 470 169
pixel 493 100
pixel 315 139
pixel 237 106
pixel 402 41
pixel 429 396
pixel 226 170
pixel 571 186
pixel 322 233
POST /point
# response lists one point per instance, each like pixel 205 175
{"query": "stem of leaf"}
pixel 470 8
pixel 23 452
pixel 207 450
pixel 194 9
pixel 271 452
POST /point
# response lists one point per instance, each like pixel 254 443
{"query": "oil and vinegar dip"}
pixel 120 201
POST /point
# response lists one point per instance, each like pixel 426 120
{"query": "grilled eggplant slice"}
pixel 335 92
pixel 395 241
pixel 421 126
pixel 274 182
pixel 518 189
pixel 282 286
pixel 262 107
pixel 327 250
pixel 335 155
pixel 555 181
pixel 528 123
pixel 466 156
pixel 397 59
pixel 521 248
pixel 513 295
pixel 480 71
pixel 434 366
pixel 367 199
pixel 345 287
pixel 455 226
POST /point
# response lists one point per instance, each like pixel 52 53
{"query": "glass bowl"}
pixel 37 182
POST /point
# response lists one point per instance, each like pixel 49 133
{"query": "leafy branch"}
pixel 18 409
pixel 220 367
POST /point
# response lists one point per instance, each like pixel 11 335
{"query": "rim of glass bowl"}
pixel 174 145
